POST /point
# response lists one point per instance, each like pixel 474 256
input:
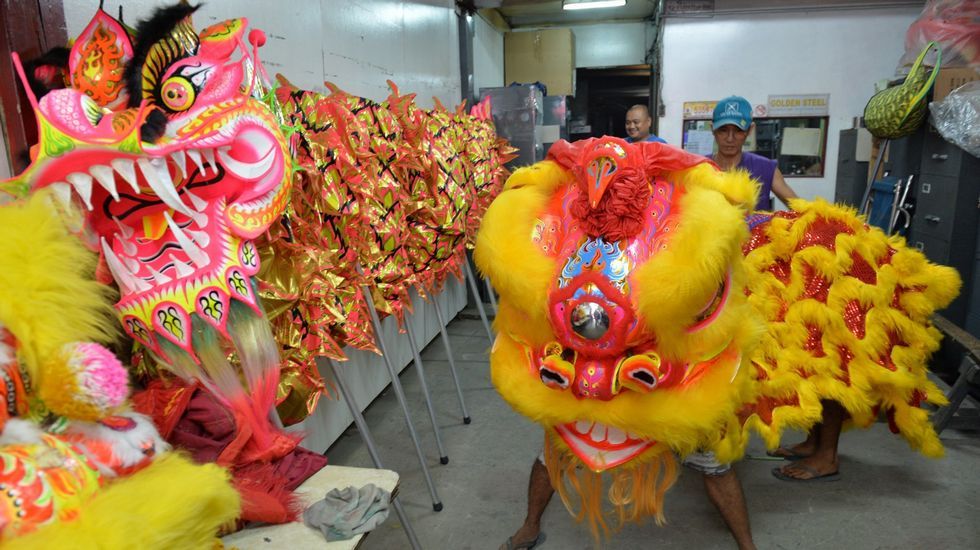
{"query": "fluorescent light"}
pixel 591 4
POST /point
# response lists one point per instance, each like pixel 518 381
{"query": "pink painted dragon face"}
pixel 176 185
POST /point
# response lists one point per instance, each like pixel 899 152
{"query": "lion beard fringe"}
pixel 636 492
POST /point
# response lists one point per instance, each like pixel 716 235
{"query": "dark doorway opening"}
pixel 602 97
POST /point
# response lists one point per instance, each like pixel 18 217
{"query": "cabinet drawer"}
pixel 937 250
pixel 941 157
pixel 935 206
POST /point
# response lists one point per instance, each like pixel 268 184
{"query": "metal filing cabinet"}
pixel 852 169
pixel 946 216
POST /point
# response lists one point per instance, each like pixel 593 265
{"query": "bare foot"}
pixel 811 467
pixel 801 449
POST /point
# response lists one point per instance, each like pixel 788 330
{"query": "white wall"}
pixel 488 56
pixel 611 44
pixel 356 44
pixel 841 53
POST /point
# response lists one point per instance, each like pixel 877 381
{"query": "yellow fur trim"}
pixel 47 295
pixel 520 272
pixel 173 503
pixel 866 385
pixel 683 419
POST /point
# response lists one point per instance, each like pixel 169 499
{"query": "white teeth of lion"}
pixel 107 179
pixel 158 277
pixel 183 270
pixel 62 192
pixel 126 230
pixel 209 156
pixel 126 280
pixel 615 435
pixel 598 432
pixel 632 435
pixel 129 247
pixel 83 186
pixel 583 426
pixel 200 237
pixel 195 156
pixel 127 169
pixel 158 178
pixel 198 203
pixel 198 256
pixel 181 161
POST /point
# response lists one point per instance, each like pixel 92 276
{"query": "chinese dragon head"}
pixel 164 142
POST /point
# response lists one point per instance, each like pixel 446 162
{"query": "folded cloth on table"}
pixel 345 513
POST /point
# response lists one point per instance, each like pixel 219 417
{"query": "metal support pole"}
pixel 476 296
pixel 452 361
pixel 865 207
pixel 493 296
pixel 443 458
pixel 396 385
pixel 355 411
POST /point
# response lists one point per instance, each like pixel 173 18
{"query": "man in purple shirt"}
pixel 731 124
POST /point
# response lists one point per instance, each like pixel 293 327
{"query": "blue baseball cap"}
pixel 734 110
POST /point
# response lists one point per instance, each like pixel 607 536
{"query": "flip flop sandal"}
pixel 526 545
pixel 786 454
pixel 833 476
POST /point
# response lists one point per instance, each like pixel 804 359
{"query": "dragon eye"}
pixel 178 94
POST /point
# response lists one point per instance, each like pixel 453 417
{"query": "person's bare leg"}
pixel 539 492
pixel 725 492
pixel 824 460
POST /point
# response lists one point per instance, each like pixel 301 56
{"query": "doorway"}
pixel 602 97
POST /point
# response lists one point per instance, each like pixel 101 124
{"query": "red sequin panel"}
pixel 887 258
pixel 781 270
pixel 781 314
pixel 845 362
pixel 757 238
pixel 862 270
pixel 816 286
pixel 765 406
pixel 854 316
pixel 886 360
pixel 823 232
pixel 814 341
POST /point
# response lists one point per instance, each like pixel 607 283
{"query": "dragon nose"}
pixel 590 320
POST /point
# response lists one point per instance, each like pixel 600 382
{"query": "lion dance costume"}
pixel 214 194
pixel 80 469
pixel 644 312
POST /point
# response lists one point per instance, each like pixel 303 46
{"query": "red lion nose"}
pixel 594 379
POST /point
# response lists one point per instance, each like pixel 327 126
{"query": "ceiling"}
pixel 531 13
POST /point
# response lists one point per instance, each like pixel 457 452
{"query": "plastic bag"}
pixel 954 24
pixel 957 117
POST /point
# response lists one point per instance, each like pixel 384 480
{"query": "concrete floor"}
pixel 888 497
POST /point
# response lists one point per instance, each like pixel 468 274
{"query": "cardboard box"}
pixel 951 78
pixel 546 56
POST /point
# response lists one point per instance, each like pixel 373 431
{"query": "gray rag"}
pixel 349 512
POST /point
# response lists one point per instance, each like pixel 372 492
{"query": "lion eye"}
pixel 710 312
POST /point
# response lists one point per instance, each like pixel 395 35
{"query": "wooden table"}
pixel 295 536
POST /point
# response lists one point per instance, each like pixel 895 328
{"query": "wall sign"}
pixel 807 105
pixel 699 109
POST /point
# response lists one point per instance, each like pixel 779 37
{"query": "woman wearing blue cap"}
pixel 732 121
